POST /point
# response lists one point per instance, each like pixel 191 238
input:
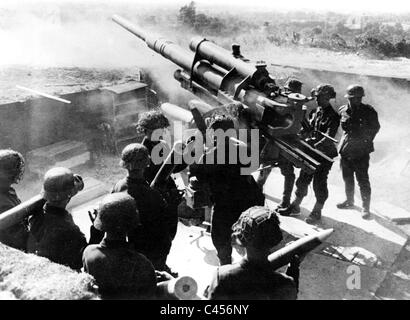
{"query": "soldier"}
pixel 11 172
pixel 119 270
pixel 324 119
pixel 53 233
pixel 153 124
pixel 286 167
pixel 152 237
pixel 231 192
pixel 256 232
pixel 360 124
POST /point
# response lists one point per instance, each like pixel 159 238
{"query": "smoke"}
pixel 82 36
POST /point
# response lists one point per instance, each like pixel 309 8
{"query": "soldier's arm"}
pixel 215 291
pixel 373 125
pixel 331 131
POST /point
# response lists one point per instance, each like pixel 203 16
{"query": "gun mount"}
pixel 219 77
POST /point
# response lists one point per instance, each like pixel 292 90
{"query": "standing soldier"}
pixel 119 270
pixel 256 233
pixel 286 167
pixel 322 120
pixel 152 237
pixel 231 192
pixel 11 171
pixel 360 124
pixel 153 124
pixel 53 233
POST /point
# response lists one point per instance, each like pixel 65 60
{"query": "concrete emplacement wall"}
pixel 41 121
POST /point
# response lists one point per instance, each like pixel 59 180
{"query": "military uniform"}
pixel 120 271
pixel 54 235
pixel 325 120
pixel 250 280
pixel 168 190
pixel 152 238
pixel 360 127
pixel 231 194
pixel 14 236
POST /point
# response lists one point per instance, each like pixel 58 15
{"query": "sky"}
pixel 345 6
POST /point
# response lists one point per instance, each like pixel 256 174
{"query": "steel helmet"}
pixel 11 165
pixel 117 212
pixel 258 226
pixel 61 184
pixel 354 90
pixel 324 89
pixel 293 85
pixel 152 120
pixel 134 156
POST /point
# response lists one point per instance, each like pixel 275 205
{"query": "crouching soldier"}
pixel 255 233
pixel 119 270
pixel 11 171
pixel 152 237
pixel 53 233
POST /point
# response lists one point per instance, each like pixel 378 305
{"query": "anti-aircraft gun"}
pixel 220 77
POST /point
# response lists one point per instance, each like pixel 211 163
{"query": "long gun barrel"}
pixel 219 77
pixel 299 247
pixel 21 211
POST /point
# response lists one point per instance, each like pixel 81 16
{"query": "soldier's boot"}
pixel 284 204
pixel 287 192
pixel 366 208
pixel 347 204
pixel 315 214
pixel 293 209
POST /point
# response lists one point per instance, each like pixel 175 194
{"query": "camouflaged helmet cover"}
pixel 258 226
pixel 134 156
pixel 117 212
pixel 12 165
pixel 152 120
pixel 221 121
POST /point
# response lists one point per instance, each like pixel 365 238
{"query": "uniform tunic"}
pixel 360 128
pixel 120 271
pixel 231 194
pixel 327 121
pixel 251 281
pixel 168 189
pixel 152 238
pixel 16 235
pixel 54 235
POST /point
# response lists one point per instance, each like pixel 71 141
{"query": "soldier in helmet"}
pixel 323 119
pixel 119 270
pixel 11 171
pixel 360 124
pixel 153 124
pixel 152 237
pixel 231 192
pixel 286 167
pixel 256 233
pixel 53 233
